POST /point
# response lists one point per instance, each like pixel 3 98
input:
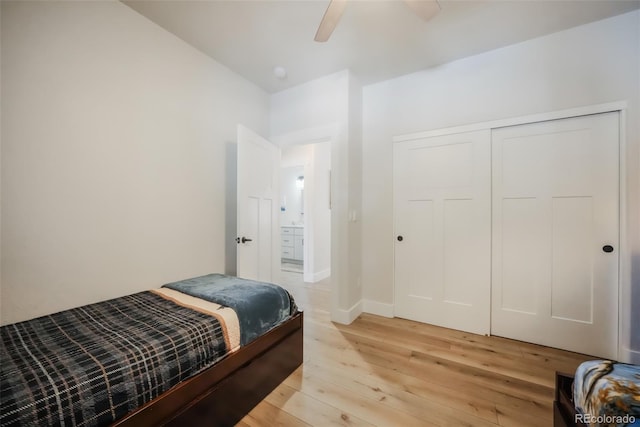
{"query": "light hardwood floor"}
pixel 395 372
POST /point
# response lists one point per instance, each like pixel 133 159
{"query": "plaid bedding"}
pixel 91 365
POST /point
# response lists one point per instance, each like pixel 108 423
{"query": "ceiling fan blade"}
pixel 425 9
pixel 330 20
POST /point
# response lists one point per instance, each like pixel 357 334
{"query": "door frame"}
pixel 624 259
pixel 329 134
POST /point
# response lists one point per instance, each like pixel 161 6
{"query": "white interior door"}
pixel 258 255
pixel 555 209
pixel 442 215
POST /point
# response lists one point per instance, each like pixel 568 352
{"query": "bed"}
pixel 202 351
pixel 601 393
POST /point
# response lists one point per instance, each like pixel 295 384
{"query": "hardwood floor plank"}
pixel 395 372
pixel 362 406
pixel 427 383
pixel 446 372
pixel 310 410
pixel 464 353
pixel 513 417
pixel 460 400
pixel 266 415
pixel 433 408
pixel 489 379
pixel 450 335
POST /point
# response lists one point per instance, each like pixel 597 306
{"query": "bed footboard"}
pixel 564 411
pixel 223 394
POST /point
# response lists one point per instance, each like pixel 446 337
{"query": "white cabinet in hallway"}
pixel 292 243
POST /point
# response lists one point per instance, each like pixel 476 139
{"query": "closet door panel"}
pixel 555 188
pixel 442 230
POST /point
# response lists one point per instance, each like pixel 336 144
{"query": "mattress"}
pixel 92 365
pixel 607 393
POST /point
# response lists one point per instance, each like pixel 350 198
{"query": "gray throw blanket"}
pixel 260 306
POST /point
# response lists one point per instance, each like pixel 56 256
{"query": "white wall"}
pixel 295 155
pixel 319 111
pixel 317 103
pixel 318 213
pixel 355 188
pixel 115 136
pixel 291 196
pixel 591 64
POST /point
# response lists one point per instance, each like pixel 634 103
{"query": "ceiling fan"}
pixel 425 9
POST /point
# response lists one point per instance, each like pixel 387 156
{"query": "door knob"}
pixel 243 240
pixel 607 248
pixel 400 238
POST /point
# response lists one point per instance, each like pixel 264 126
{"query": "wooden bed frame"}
pixel 564 411
pixel 224 393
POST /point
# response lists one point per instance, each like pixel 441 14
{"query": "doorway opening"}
pixel 305 210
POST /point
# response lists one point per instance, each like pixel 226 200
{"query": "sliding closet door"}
pixel 442 208
pixel 555 233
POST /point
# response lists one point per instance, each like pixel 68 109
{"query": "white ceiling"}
pixel 376 40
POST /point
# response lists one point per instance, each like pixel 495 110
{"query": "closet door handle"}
pixel 400 238
pixel 607 248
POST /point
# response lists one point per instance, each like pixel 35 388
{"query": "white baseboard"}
pixel 347 316
pixel 629 356
pixel 317 276
pixel 378 308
